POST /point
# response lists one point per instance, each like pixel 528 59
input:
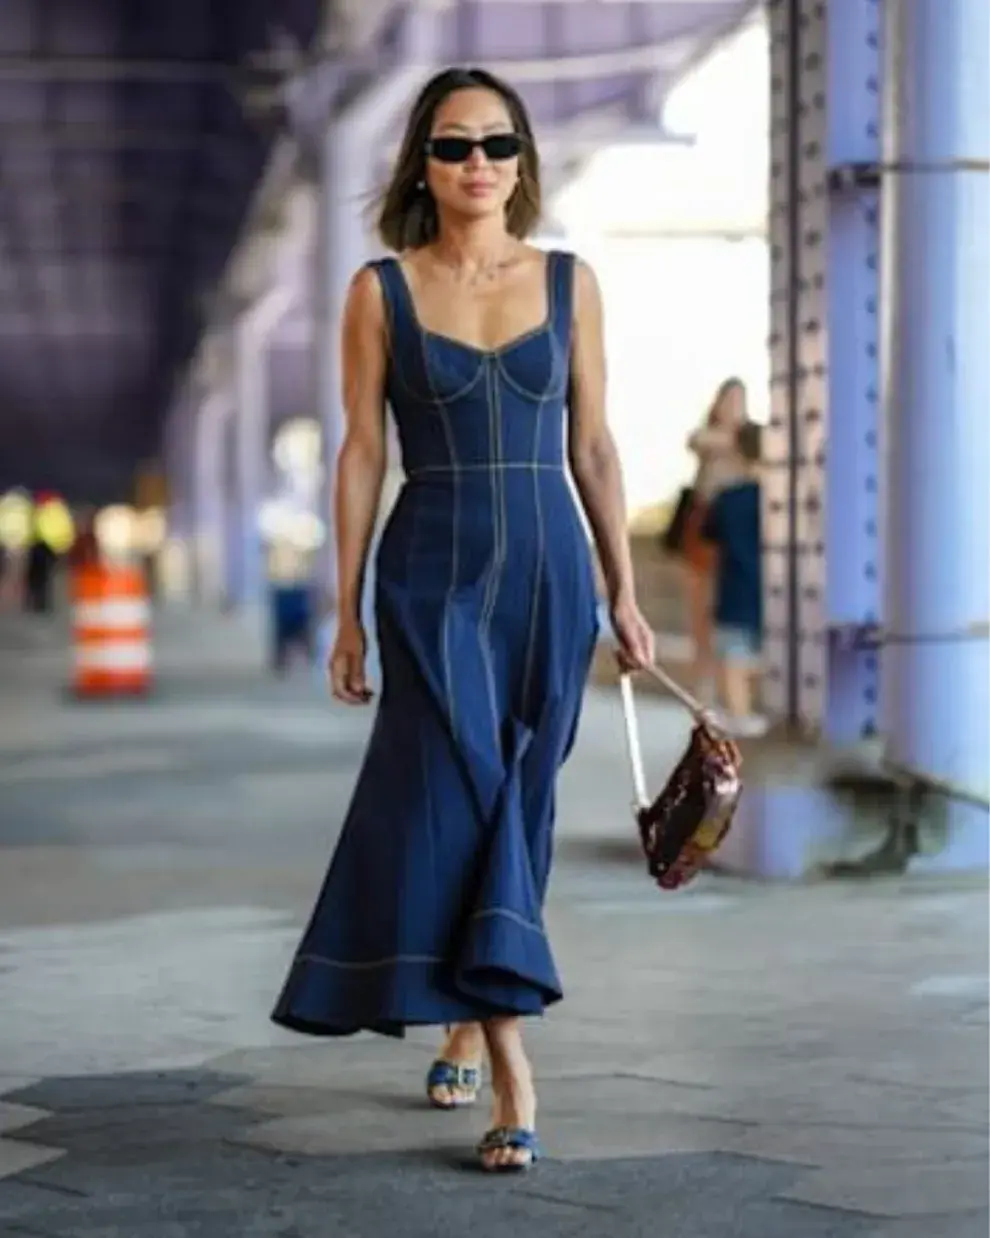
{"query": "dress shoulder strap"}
pixel 560 280
pixel 398 309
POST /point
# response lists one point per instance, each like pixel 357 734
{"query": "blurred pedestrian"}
pixel 732 525
pixel 40 569
pixel 85 549
pixel 715 448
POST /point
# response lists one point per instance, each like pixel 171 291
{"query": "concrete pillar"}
pixel 936 395
pixel 209 501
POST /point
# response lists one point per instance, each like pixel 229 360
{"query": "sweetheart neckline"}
pixel 515 342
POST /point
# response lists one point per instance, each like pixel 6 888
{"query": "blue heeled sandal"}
pixel 466 1079
pixel 510 1137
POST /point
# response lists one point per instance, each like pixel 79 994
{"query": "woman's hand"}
pixel 636 643
pixel 346 669
pixel 712 441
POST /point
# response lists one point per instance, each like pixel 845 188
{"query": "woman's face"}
pixel 730 410
pixel 464 179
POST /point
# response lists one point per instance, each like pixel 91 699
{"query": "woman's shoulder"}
pixel 366 280
pixel 365 294
pixel 372 267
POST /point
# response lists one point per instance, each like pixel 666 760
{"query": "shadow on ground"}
pixel 150 1155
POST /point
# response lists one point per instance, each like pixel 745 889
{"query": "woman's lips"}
pixel 478 189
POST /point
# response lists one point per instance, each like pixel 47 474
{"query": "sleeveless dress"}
pixel 432 909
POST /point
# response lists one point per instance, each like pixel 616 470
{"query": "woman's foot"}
pixel 455 1077
pixel 519 1148
pixel 511 1142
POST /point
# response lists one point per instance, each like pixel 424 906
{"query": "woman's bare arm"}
pixel 361 463
pixel 593 456
pixel 711 440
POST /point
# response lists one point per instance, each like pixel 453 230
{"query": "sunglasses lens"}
pixel 497 147
pixel 451 150
pixel 501 146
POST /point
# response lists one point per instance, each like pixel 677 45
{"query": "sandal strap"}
pixel 511 1137
pixel 452 1075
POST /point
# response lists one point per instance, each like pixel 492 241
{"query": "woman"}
pixel 719 463
pixel 431 912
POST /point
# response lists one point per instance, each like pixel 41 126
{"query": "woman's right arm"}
pixel 710 441
pixel 361 462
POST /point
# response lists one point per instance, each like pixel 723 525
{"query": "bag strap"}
pixel 635 748
pixel 633 745
pixel 694 707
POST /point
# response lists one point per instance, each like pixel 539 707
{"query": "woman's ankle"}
pixel 465 1042
pixel 512 1074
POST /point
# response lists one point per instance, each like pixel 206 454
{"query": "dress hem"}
pixel 393 1031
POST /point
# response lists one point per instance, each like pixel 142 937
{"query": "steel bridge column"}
pixel 936 396
pixel 822 570
pixel 350 146
pixel 252 335
pixel 179 462
pixel 250 426
pixel 209 487
pixel 341 246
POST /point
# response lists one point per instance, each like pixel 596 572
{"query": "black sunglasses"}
pixel 497 147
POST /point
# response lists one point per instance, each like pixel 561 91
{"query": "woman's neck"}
pixel 475 246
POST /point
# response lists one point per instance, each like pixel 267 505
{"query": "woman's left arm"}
pixel 597 472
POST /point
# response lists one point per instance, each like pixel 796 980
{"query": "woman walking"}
pixel 432 911
pixel 719 464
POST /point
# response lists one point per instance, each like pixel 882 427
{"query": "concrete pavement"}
pixel 736 1061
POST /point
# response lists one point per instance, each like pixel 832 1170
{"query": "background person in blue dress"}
pixel 732 524
pixel 489 353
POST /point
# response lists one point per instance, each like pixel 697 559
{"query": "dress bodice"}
pixel 458 407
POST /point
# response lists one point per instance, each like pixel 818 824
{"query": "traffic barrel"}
pixel 111 631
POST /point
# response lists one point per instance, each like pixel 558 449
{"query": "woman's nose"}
pixel 477 158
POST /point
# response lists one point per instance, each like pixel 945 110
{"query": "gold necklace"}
pixel 486 274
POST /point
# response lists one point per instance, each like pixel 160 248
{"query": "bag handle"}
pixel 694 707
pixel 633 745
pixel 635 748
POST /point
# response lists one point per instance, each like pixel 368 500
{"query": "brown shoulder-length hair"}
pixel 407 213
pixel 730 384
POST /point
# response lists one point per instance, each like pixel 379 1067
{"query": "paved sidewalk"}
pixel 735 1061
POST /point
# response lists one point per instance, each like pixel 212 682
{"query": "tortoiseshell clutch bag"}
pixel 682 826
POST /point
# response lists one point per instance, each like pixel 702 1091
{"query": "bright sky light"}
pixel 682 314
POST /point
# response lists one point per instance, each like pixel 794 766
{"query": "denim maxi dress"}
pixel 432 909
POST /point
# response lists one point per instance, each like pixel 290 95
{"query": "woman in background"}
pixel 733 526
pixel 714 444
